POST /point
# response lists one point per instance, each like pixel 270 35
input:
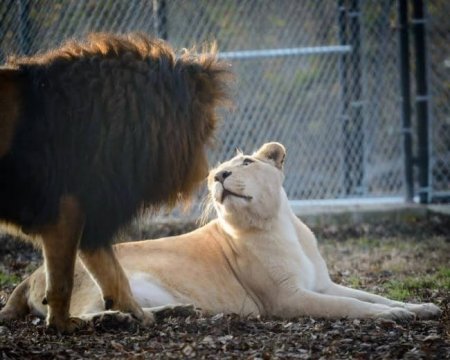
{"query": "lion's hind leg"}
pixel 17 304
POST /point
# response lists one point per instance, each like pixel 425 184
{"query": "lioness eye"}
pixel 247 161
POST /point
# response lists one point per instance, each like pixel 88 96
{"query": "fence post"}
pixel 343 72
pixel 349 32
pixel 422 100
pixel 24 26
pixel 405 85
pixel 356 92
pixel 160 18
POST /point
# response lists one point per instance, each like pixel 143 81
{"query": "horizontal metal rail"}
pixel 441 194
pixel 315 50
pixel 354 201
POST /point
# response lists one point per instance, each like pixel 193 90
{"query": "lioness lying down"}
pixel 256 258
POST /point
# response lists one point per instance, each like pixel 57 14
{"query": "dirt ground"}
pixel 408 261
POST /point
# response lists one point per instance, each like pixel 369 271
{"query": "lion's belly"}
pixel 212 293
pixel 147 291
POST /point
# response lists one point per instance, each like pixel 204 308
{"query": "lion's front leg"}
pixel 423 311
pixel 60 242
pixel 308 303
pixel 109 275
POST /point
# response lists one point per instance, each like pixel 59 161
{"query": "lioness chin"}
pixel 256 258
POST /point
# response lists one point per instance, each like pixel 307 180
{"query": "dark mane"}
pixel 118 121
pixel 105 45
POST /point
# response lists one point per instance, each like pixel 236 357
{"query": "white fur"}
pixel 283 250
pixel 147 291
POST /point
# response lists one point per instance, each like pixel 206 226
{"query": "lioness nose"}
pixel 222 175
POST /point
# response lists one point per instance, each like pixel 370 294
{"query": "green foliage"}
pixel 8 279
pixel 354 281
pixel 414 285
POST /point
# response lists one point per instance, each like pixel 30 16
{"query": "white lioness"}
pixel 256 258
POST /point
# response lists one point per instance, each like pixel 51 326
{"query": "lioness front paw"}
pixel 424 311
pixel 396 314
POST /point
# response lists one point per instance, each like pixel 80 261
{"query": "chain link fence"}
pixel 439 64
pixel 322 77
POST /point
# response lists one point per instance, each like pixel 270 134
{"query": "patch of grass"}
pixel 444 273
pixel 8 279
pixel 354 281
pixel 367 242
pixel 370 244
pixel 413 285
pixel 397 292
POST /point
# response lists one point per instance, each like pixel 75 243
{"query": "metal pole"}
pixel 352 116
pixel 270 53
pixel 356 105
pixel 160 18
pixel 405 85
pixel 422 100
pixel 24 26
pixel 344 79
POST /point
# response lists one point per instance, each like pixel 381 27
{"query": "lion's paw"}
pixel 424 311
pixel 113 320
pixel 396 314
pixel 65 326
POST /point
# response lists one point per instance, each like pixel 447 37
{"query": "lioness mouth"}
pixel 226 193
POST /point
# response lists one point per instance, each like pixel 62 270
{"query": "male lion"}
pixel 90 133
pixel 256 258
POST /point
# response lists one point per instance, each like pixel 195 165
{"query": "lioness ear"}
pixel 273 151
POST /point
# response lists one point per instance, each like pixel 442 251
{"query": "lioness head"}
pixel 246 190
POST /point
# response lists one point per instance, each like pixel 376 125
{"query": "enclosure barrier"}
pixel 355 89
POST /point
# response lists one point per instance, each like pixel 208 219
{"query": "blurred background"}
pixel 358 91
